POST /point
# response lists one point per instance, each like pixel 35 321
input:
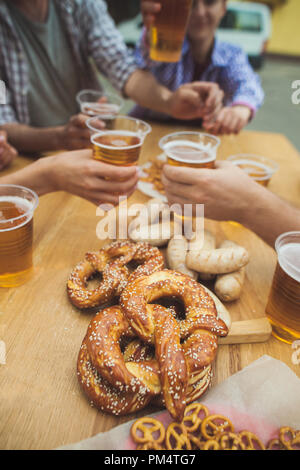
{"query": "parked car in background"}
pixel 246 24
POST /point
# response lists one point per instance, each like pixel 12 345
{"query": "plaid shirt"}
pixel 92 35
pixel 228 67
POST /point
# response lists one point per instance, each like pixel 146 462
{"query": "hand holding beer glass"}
pixel 283 308
pixel 105 105
pixel 122 144
pixel 17 206
pixel 168 29
pixel 259 168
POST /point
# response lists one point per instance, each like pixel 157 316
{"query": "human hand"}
pixel 230 120
pixel 79 174
pixel 7 152
pixel 148 9
pixel 75 135
pixel 196 100
pixel 226 191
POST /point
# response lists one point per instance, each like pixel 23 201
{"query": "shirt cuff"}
pixel 248 105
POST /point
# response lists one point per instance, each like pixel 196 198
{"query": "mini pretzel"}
pixel 148 431
pixel 289 438
pixel 211 444
pixel 215 424
pixel 275 444
pixel 251 441
pixel 193 416
pixel 177 437
pixel 230 441
pixel 111 263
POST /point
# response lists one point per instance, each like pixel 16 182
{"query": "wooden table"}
pixel 41 404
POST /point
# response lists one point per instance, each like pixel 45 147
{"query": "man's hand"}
pixel 75 135
pixel 78 173
pixel 230 120
pixel 196 100
pixel 7 152
pixel 149 8
pixel 227 192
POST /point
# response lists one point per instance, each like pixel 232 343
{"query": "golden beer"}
pixel 168 31
pixel 261 169
pixel 190 149
pixel 117 147
pixel 16 238
pixel 283 308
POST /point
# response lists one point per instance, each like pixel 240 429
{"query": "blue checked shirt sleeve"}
pixel 105 44
pixel 241 84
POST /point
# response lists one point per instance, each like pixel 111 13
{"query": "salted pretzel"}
pixel 289 438
pixel 199 330
pixel 193 416
pixel 112 263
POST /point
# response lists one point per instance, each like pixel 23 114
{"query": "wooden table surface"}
pixel 41 403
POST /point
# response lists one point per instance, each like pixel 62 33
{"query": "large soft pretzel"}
pixel 111 262
pixel 122 382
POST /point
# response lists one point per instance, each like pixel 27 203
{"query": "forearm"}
pixel 37 176
pixel 32 139
pixel 143 88
pixel 269 216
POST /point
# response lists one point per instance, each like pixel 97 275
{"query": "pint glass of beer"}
pixel 122 144
pixel 17 205
pixel 259 168
pixel 168 31
pixel 190 149
pixel 283 308
pixel 96 103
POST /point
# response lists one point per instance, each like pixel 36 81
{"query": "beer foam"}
pixel 188 151
pixel 252 166
pixel 289 259
pixel 118 134
pixel 20 202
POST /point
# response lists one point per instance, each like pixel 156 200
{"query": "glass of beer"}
pixel 103 104
pixel 259 168
pixel 190 149
pixel 168 31
pixel 17 206
pixel 283 308
pixel 120 145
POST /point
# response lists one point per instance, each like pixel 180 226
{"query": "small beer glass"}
pixel 17 206
pixel 122 144
pixel 283 307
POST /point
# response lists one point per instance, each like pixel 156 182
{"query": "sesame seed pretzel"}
pixel 111 263
pixel 151 322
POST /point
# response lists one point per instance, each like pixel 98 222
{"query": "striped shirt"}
pixel 92 36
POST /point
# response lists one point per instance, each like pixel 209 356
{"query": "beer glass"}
pixel 17 206
pixel 283 307
pixel 122 144
pixel 190 149
pixel 97 103
pixel 259 168
pixel 168 31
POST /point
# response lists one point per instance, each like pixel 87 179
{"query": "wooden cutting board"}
pixel 257 330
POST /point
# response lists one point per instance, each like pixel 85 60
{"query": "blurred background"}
pixel 269 31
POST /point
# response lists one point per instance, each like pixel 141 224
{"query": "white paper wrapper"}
pixel 261 398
